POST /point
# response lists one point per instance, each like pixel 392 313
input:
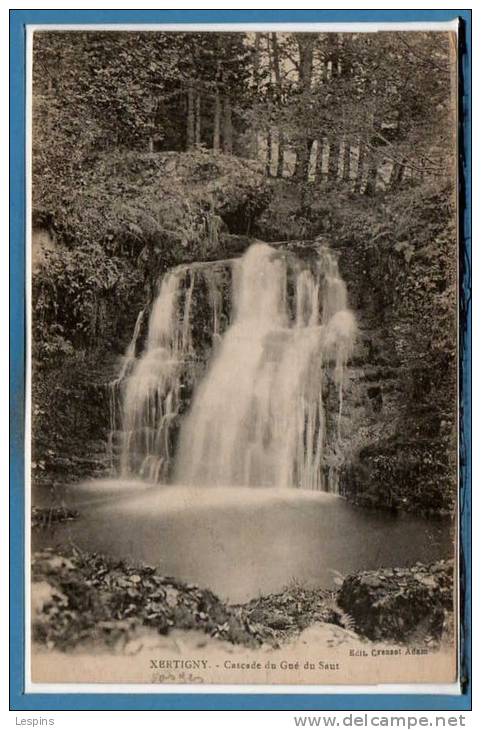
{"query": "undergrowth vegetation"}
pixel 80 599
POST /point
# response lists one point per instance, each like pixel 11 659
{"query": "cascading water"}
pixel 116 385
pixel 151 394
pixel 149 387
pixel 258 416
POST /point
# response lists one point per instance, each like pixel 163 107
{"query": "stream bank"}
pixel 82 600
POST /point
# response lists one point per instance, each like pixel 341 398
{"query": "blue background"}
pixel 210 701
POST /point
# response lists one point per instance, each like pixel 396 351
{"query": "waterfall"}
pixel 150 387
pixel 151 394
pixel 258 415
pixel 115 386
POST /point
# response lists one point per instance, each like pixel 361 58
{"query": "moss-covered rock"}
pixel 178 204
pixel 400 604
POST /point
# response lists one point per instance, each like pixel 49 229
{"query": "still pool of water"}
pixel 242 541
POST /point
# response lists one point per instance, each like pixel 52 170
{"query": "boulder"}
pixel 400 604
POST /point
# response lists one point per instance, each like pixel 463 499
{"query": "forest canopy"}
pixel 366 110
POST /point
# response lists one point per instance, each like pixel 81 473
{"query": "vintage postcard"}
pixel 243 357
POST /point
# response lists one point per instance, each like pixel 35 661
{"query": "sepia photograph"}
pixel 242 345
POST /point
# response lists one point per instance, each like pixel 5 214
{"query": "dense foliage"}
pixel 359 108
pixel 124 223
pixel 72 290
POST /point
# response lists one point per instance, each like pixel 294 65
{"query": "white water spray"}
pixel 258 417
pixel 150 387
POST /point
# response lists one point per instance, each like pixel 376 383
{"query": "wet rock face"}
pixel 400 473
pixel 70 420
pixel 400 604
pixel 400 399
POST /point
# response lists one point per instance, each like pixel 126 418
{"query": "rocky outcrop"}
pixel 401 395
pixel 400 604
pixel 71 420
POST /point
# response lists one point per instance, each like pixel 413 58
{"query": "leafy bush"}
pixel 130 202
pixel 71 291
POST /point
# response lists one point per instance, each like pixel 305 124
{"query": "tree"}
pixel 377 105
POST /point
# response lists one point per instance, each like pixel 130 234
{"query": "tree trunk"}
pixel 352 169
pixel 277 76
pixel 217 113
pixel 397 174
pixel 227 126
pixel 269 154
pixel 370 188
pixel 303 160
pixel 280 154
pixel 360 168
pixel 398 168
pixel 346 162
pixel 371 179
pixel 190 116
pixel 305 42
pixel 301 157
pixel 333 55
pixel 319 160
pixel 256 65
pixel 198 118
pixel 333 168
